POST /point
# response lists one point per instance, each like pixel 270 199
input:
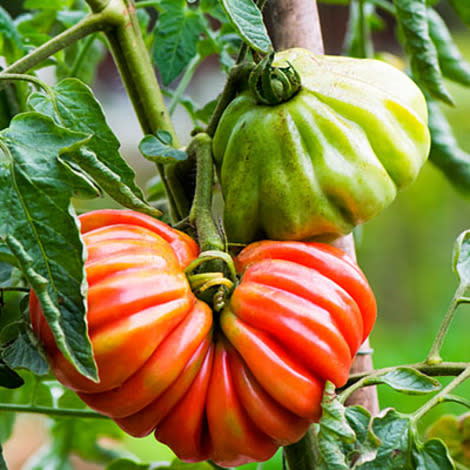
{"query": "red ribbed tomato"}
pixel 231 387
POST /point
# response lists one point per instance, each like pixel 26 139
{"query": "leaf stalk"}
pixel 433 356
pixel 50 411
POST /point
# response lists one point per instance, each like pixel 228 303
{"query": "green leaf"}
pixel 158 148
pixel 335 432
pixel 9 378
pixel 461 258
pixel 84 187
pixel 214 9
pixel 80 111
pixel 345 439
pixel 11 45
pixel 433 455
pixel 448 429
pixel 446 153
pixel 406 380
pixel 248 21
pixel 70 17
pixel 451 61
pixel 7 27
pixel 39 225
pixel 413 21
pixel 177 34
pixel 24 352
pixel 393 430
pixel 462 8
pixel 366 445
pixel 5 274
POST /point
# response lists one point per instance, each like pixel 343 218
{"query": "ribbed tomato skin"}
pixel 232 393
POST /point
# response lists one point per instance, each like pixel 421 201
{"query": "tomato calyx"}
pixel 212 277
pixel 274 85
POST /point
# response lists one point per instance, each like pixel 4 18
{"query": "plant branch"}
pixel 201 210
pixel 456 399
pixel 91 24
pixel 441 396
pixel 50 411
pixel 244 47
pixel 433 356
pixel 14 289
pixel 138 75
pixel 148 3
pixel 11 77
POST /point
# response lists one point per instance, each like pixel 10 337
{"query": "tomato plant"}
pixel 209 309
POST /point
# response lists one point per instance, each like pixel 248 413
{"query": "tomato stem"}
pixel 200 215
pixel 184 82
pixel 50 411
pixel 433 356
pixel 137 73
pixel 440 397
pixel 14 289
pixel 90 24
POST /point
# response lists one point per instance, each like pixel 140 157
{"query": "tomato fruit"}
pixel 331 157
pixel 230 387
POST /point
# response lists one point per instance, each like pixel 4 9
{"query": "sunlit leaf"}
pixel 248 21
pixel 40 227
pixel 407 380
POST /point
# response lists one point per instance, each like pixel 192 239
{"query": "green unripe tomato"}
pixel 331 157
